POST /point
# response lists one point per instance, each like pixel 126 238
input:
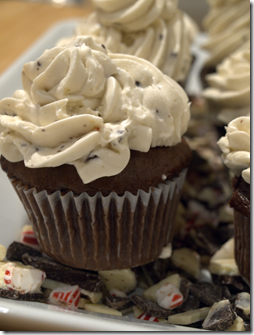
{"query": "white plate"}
pixel 32 316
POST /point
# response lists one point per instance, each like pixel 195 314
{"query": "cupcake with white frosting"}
pixel 228 27
pixel 154 30
pixel 228 91
pixel 94 147
pixel 235 147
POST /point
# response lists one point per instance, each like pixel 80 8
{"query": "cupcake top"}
pixel 229 86
pixel 235 147
pixel 154 30
pixel 228 27
pixel 85 107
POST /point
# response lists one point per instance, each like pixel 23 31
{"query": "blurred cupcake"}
pixel 228 27
pixel 228 94
pixel 93 146
pixel 154 30
pixel 235 147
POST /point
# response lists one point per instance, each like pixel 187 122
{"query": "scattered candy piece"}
pixel 220 317
pixel 82 303
pixel 189 317
pixel 17 249
pixel 238 325
pixel 150 307
pixel 22 279
pixel 168 296
pixel 123 280
pixel 118 303
pixel 67 296
pixel 100 308
pixel 2 252
pixel 187 260
pixel 147 317
pixel 223 267
pixel 242 305
pixel 28 237
pixel 150 293
pixel 226 251
pixel 117 293
pixel 14 295
pixel 166 251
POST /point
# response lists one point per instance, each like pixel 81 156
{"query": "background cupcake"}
pixel 228 91
pixel 235 147
pixel 93 146
pixel 156 31
pixel 228 27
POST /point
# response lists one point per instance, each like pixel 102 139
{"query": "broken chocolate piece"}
pixel 225 232
pixel 206 238
pixel 15 295
pixel 207 293
pixel 220 317
pixel 118 303
pixel 17 249
pixel 184 289
pixel 189 304
pixel 150 307
pixel 59 272
pixel 234 283
pixel 242 305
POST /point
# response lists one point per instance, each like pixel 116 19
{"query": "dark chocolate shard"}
pixel 15 295
pixel 242 305
pixel 207 293
pixel 220 317
pixel 118 303
pixel 189 304
pixel 150 307
pixel 206 238
pixel 59 272
pixel 184 289
pixel 225 232
pixel 234 283
pixel 16 250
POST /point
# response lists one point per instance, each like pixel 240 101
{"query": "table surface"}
pixel 23 22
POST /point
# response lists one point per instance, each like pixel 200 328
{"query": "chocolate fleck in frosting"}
pixel 142 171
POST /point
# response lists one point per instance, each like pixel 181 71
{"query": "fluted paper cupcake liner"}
pixel 242 245
pixel 103 233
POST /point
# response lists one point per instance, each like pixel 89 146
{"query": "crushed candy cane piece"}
pixel 148 317
pixel 67 296
pixel 23 279
pixel 28 237
pixel 168 296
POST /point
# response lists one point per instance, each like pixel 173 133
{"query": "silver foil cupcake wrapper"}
pixel 103 233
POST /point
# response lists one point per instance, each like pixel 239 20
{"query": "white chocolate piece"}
pixel 94 297
pixel 100 308
pixel 187 260
pixel 117 293
pixel 83 302
pixel 150 293
pixel 166 251
pixel 123 280
pixel 189 317
pixel 137 311
pixel 243 302
pixel 226 251
pixel 3 251
pixel 238 325
pixel 223 267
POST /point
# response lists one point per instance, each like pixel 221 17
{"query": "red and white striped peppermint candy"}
pixel 114 292
pixel 67 296
pixel 168 296
pixel 23 279
pixel 147 317
pixel 28 237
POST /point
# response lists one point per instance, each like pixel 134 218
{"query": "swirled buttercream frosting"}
pixel 235 147
pixel 228 27
pixel 229 87
pixel 83 106
pixel 155 30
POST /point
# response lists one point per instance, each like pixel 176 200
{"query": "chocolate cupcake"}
pixel 93 146
pixel 235 148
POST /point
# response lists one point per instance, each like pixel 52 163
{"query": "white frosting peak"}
pixel 85 107
pixel 235 147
